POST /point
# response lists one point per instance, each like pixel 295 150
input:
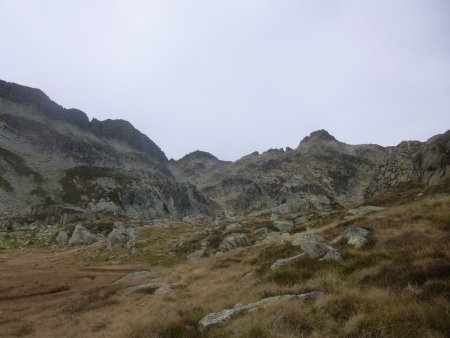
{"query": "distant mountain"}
pixel 321 173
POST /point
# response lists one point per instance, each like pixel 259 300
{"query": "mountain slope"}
pixel 51 156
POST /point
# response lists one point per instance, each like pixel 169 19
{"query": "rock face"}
pixel 81 236
pixel 225 316
pixel 56 164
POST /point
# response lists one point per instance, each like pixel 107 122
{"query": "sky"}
pixel 234 76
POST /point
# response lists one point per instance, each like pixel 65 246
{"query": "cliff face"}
pixel 50 155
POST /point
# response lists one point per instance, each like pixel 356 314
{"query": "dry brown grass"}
pixel 398 286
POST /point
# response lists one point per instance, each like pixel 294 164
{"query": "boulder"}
pixel 357 241
pixel 235 241
pixel 314 249
pixel 261 232
pixel 283 226
pixel 62 238
pixel 81 236
pixel 306 237
pixel 353 235
pixel 221 318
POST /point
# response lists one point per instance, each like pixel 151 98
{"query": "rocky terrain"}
pixel 102 236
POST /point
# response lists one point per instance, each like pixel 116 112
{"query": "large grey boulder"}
pixel 314 249
pixel 222 317
pixel 81 236
pixel 283 226
pixel 62 238
pixel 235 241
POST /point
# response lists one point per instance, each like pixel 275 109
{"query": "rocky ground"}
pixel 371 270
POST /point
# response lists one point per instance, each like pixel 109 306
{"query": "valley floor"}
pixel 398 285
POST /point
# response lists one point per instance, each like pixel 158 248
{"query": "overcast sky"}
pixel 234 76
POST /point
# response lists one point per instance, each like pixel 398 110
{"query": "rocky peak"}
pixel 124 131
pixel 37 99
pixel 199 155
pixel 318 135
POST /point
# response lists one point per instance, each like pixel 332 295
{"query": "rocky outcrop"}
pixel 221 318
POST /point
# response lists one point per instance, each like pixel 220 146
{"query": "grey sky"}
pixel 234 76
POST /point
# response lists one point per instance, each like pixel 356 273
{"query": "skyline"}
pixel 233 77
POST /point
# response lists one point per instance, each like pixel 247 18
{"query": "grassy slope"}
pixel 398 286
